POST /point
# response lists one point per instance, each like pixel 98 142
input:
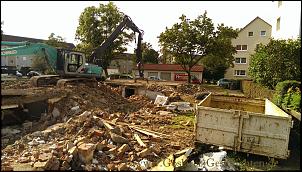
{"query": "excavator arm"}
pixel 127 22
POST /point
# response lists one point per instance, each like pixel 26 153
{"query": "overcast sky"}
pixel 38 19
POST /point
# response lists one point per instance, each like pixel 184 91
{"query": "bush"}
pixel 288 95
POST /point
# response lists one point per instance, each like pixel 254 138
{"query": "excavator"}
pixel 68 65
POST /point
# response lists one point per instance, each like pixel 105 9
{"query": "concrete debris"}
pixel 118 139
pixel 9 131
pixel 161 100
pixel 182 106
pixel 55 112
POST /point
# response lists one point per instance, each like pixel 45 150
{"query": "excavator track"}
pixel 77 81
pixel 44 80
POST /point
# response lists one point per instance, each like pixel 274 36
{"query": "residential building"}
pixel 286 19
pixel 256 32
pixel 170 72
pixel 17 62
pixel 123 63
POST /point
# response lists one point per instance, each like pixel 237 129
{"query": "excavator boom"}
pixel 99 52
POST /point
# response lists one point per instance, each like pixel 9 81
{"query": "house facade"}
pixel 122 63
pixel 286 19
pixel 256 32
pixel 170 72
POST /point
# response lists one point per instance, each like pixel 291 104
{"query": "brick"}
pixel 144 153
pixel 44 156
pixel 42 165
pixel 101 145
pixel 123 149
pixel 111 167
pixel 98 133
pixel 118 139
pixel 112 151
pixel 85 152
pixel 122 167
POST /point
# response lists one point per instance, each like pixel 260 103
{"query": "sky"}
pixel 38 19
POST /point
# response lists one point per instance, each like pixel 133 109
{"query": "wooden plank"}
pixel 14 106
pixel 108 126
pixel 145 132
pixel 138 139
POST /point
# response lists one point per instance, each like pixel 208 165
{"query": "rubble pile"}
pixel 95 129
pixel 15 84
pixel 190 89
pixel 85 142
pixel 166 90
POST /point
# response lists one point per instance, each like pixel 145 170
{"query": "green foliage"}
pixel 149 54
pixel 215 67
pixel 288 94
pixel 57 41
pixel 95 26
pixel 189 41
pixel 166 57
pixel 39 63
pixel 275 62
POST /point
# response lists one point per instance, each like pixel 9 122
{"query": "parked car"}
pixel 4 70
pixel 18 74
pixel 156 78
pixel 119 76
pixel 33 73
pixel 225 83
pixel 195 80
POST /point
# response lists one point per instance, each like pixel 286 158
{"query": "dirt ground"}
pixel 97 128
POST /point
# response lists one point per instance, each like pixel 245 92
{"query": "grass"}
pixel 181 119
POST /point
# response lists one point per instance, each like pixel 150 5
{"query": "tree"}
pixel 39 63
pixel 166 57
pixel 190 41
pixel 275 62
pixel 95 26
pixel 57 41
pixel 149 55
pixel 214 67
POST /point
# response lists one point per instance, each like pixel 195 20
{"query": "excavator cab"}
pixel 75 65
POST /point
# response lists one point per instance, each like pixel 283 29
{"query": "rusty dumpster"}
pixel 247 125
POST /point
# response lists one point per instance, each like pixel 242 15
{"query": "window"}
pixel 240 60
pixel 239 73
pixel 153 74
pixel 279 3
pixel 165 76
pixel 251 33
pixel 241 47
pixel 278 24
pixel 262 33
pixel 238 47
pixel 244 47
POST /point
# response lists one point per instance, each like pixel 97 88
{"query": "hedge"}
pixel 288 95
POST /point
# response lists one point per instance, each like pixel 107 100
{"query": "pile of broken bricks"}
pixel 85 142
